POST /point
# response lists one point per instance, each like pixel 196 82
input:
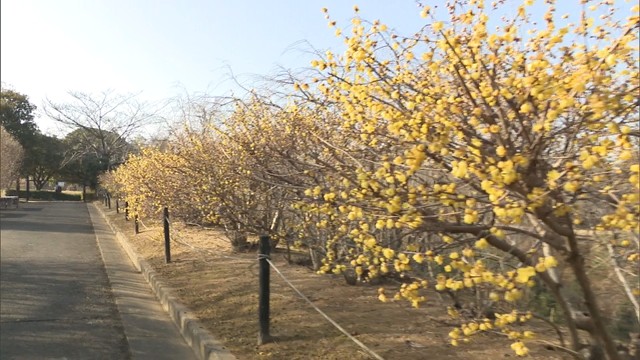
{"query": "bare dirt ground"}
pixel 221 288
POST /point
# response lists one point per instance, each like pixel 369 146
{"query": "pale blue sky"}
pixel 164 48
pixel 168 47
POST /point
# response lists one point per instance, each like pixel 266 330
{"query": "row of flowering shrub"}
pixel 491 165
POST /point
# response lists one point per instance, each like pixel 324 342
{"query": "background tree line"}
pixel 99 131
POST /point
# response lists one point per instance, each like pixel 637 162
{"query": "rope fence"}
pixel 330 320
pixel 265 263
pixel 211 254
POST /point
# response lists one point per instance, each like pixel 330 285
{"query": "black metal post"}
pixel 167 244
pixel 136 228
pixel 126 210
pixel 263 293
pixel 28 193
pixel 109 201
pixel 117 206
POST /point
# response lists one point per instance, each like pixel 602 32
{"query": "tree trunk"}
pixel 315 258
pixel 39 184
pixel 576 261
pixel 563 226
pixel 40 180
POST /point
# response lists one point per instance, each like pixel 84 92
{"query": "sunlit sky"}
pixel 165 48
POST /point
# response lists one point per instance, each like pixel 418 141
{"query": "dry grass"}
pixel 221 287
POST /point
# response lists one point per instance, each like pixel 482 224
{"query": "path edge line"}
pixel 203 343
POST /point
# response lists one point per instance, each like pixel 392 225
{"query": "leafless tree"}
pixel 10 158
pixel 106 122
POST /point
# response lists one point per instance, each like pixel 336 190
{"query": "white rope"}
pixel 363 346
pixel 195 248
pixel 267 258
pixel 143 225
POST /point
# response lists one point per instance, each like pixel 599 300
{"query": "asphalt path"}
pixel 55 297
pixel 69 291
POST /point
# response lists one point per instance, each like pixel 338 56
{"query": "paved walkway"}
pixel 68 291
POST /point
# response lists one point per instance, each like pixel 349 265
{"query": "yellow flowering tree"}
pixel 520 140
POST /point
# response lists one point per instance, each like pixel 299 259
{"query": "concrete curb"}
pixel 205 346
